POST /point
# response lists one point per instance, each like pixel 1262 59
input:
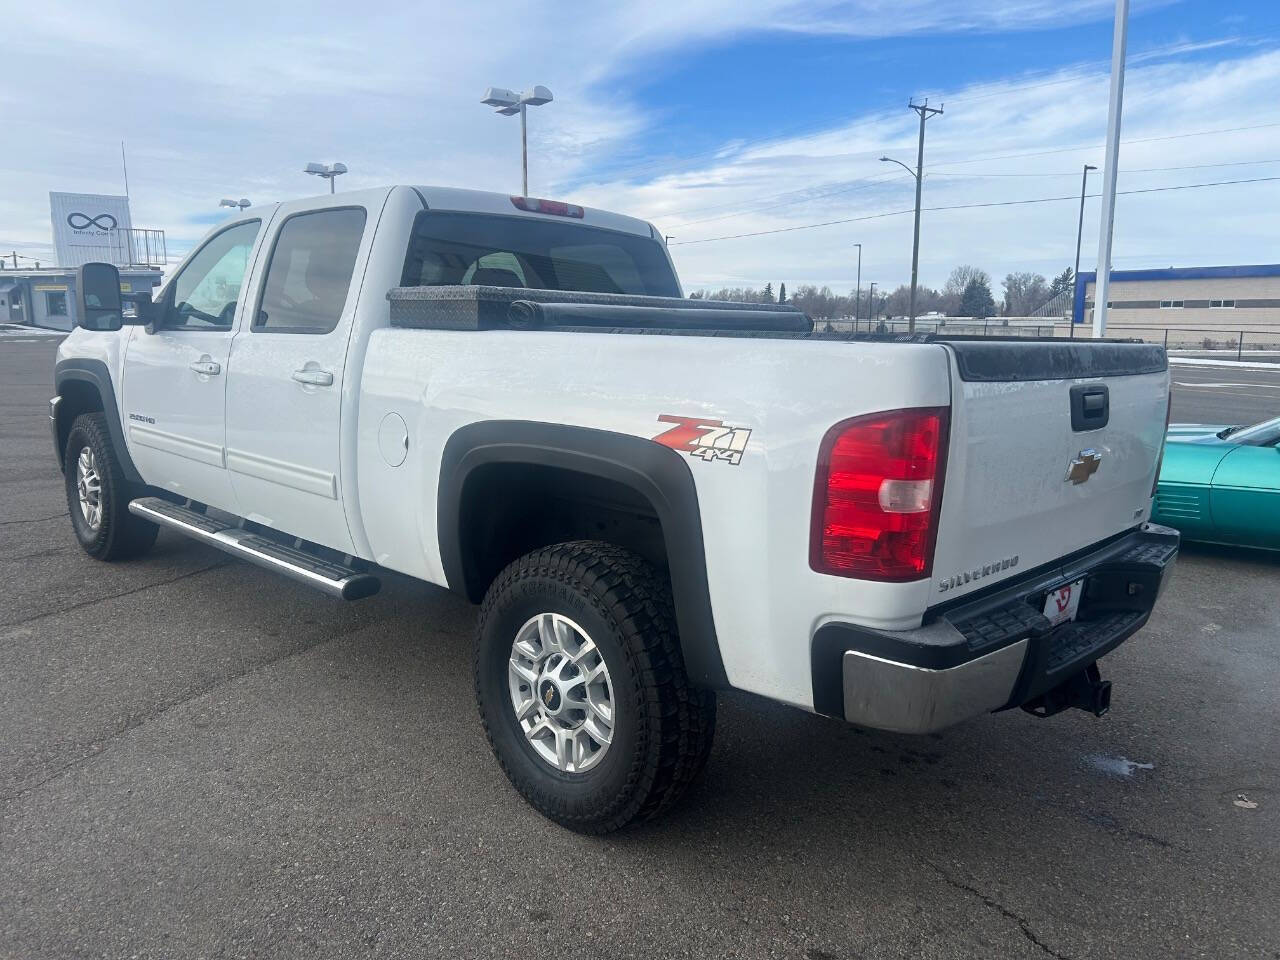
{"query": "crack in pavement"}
pixel 99 748
pixel 116 596
pixel 1000 908
pixel 56 516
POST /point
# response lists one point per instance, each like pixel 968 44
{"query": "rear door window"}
pixel 310 271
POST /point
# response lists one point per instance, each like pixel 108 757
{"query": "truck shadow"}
pixel 786 783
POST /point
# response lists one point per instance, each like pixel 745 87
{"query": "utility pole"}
pixel 1110 161
pixel 925 112
pixel 871 302
pixel 1075 277
pixel 857 298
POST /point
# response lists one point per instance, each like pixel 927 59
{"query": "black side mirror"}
pixel 98 297
pixel 144 309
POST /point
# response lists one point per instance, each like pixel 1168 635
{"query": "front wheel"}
pixel 582 688
pixel 98 494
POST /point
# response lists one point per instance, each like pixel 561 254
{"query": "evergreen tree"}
pixel 766 295
pixel 782 293
pixel 1066 280
pixel 976 301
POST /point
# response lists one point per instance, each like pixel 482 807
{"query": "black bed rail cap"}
pixel 1053 359
pixel 477 307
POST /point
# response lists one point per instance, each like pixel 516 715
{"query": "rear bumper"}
pixel 995 650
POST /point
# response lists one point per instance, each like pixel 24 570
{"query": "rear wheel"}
pixel 98 494
pixel 582 688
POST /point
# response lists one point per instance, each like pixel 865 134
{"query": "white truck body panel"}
pixel 1006 494
pixel 755 516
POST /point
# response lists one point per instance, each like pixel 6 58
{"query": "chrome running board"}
pixel 335 579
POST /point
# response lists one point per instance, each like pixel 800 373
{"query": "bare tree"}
pixel 1023 293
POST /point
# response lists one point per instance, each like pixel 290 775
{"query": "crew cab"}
pixel 652 498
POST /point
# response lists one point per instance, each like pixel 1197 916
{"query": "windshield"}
pixel 1263 434
pixel 446 249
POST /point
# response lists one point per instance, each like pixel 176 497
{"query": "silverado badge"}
pixel 1084 466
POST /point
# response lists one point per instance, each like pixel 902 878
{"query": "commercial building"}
pixel 86 227
pixel 1191 303
pixel 46 297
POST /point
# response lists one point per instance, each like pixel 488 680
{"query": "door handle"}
pixel 209 368
pixel 313 377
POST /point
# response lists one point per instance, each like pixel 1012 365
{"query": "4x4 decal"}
pixel 706 439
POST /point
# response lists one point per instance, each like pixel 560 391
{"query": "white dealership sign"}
pixel 84 226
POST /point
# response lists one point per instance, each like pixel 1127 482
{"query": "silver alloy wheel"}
pixel 89 488
pixel 561 692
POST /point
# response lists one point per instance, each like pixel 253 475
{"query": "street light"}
pixel 234 204
pixel 327 171
pixel 509 103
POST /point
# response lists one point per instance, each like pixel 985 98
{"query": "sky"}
pixel 715 119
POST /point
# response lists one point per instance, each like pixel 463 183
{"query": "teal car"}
pixel 1221 484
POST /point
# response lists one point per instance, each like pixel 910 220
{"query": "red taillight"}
pixel 557 208
pixel 877 495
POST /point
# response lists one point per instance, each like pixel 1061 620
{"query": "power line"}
pixel 970 206
pixel 863 184
pixel 1073 173
pixel 952 163
pixel 1094 146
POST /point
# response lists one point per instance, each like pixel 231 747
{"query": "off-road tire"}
pixel 120 535
pixel 663 725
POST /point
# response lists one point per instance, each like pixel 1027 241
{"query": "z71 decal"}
pixel 706 439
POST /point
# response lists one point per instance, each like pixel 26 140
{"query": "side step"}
pixel 334 579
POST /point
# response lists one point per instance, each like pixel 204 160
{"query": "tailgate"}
pixel 1054 447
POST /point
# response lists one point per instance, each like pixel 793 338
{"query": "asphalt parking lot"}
pixel 199 759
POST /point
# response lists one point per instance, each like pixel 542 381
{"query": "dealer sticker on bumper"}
pixel 1061 604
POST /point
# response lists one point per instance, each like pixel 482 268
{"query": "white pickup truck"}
pixel 654 498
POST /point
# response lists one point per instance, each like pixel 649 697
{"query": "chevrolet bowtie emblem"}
pixel 1084 466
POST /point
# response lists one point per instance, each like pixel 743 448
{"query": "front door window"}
pixel 205 293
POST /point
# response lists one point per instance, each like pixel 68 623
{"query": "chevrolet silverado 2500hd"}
pixel 652 498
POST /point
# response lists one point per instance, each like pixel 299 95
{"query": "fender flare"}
pixel 656 473
pixel 95 372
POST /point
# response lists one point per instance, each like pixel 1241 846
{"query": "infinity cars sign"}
pixel 83 225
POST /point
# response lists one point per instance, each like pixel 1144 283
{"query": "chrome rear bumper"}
pixel 907 699
pixel 995 650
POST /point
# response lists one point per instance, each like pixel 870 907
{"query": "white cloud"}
pixel 1059 119
pixel 232 100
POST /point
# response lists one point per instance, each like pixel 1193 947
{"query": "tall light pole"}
pixel 857 297
pixel 1109 163
pixel 326 171
pixel 509 103
pixel 1075 277
pixel 925 112
pixel 871 302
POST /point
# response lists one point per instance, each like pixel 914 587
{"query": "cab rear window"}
pixel 447 249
